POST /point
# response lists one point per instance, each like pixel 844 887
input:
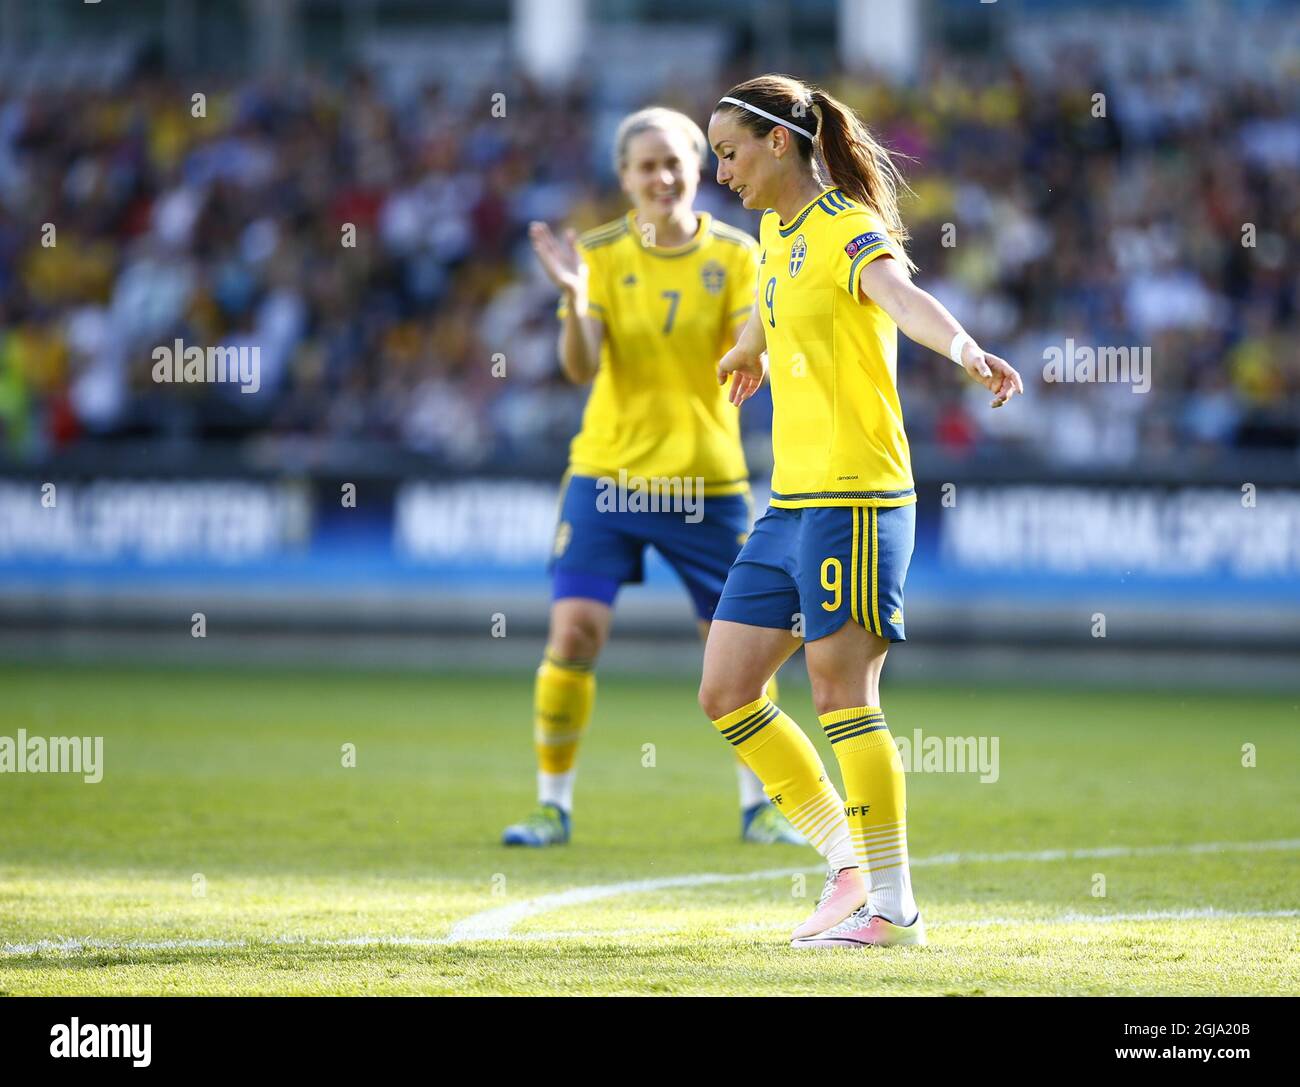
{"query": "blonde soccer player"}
pixel 649 301
pixel 834 545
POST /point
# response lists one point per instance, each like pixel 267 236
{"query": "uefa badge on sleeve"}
pixel 798 252
pixel 861 242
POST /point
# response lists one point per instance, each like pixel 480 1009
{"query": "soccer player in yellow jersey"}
pixel 825 564
pixel 649 303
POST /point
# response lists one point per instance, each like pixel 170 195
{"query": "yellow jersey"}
pixel 656 408
pixel 837 425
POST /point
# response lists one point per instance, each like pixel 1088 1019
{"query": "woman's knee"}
pixel 841 692
pixel 845 670
pixel 721 695
pixel 576 634
pixel 738 662
pixel 831 697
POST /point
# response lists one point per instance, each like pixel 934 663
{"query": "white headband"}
pixel 770 116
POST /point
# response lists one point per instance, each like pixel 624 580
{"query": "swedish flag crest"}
pixel 713 275
pixel 798 253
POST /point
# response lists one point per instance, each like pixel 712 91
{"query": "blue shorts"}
pixel 827 564
pixel 598 549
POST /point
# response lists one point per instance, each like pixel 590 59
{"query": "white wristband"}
pixel 958 345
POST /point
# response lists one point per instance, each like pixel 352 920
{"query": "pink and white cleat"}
pixel 865 929
pixel 844 894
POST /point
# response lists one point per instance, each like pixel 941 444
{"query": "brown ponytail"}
pixel 849 154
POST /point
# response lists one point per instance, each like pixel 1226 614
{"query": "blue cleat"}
pixel 764 824
pixel 548 825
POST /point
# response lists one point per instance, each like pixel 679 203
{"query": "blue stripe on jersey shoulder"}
pixel 735 237
pixel 609 239
pixel 818 203
pixel 604 228
pixel 727 228
pixel 603 235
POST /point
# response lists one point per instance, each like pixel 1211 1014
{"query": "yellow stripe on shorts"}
pixel 864 580
pixel 853 567
pixel 875 592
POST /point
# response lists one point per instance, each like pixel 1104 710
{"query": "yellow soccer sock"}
pixel 793 776
pixel 751 789
pixel 875 789
pixel 563 696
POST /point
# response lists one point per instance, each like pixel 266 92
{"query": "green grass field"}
pixel 379 878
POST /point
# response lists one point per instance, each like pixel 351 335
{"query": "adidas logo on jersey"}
pixel 629 281
pixel 897 617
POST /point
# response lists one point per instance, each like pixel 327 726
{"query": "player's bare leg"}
pixel 738 661
pixel 579 628
pixel 844 668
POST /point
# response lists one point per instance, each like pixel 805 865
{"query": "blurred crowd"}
pixel 375 251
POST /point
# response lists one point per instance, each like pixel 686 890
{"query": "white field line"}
pixel 1069 918
pixel 498 924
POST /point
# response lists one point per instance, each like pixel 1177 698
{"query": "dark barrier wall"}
pixel 1045 556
